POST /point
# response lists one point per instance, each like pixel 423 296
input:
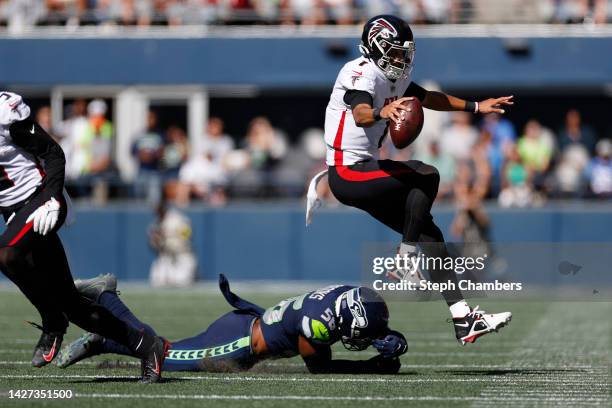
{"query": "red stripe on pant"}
pixel 21 233
pixel 351 175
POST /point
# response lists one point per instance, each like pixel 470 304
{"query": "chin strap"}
pixel 312 199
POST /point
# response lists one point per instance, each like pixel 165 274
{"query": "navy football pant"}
pixel 224 346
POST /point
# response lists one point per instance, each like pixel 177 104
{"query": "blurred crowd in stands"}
pixel 19 14
pixel 478 158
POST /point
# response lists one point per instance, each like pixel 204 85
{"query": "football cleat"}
pixel 88 345
pixel 412 273
pixel 47 348
pixel 93 288
pixel 151 365
pixel 478 323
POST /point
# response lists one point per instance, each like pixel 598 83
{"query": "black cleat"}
pixel 47 348
pixel 88 345
pixel 93 288
pixel 151 365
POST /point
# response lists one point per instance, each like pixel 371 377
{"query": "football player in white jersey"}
pixel 31 254
pixel 368 93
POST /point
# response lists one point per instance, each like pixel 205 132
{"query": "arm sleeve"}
pixel 28 135
pixel 354 97
pixel 416 90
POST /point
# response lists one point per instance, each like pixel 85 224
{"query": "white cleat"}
pixel 478 323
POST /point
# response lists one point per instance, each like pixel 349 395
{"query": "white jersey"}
pixel 20 172
pixel 346 142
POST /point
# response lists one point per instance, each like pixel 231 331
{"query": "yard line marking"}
pixel 588 368
pixel 307 379
pixel 326 398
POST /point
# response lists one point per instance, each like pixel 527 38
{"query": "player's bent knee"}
pixel 9 258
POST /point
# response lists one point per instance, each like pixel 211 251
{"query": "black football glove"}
pixel 392 345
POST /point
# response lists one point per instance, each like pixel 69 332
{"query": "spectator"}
pixel 216 144
pixel 170 237
pixel 201 177
pixel 569 173
pixel 501 129
pixel 71 130
pixel 502 136
pixel 599 171
pixel 575 132
pixel 516 190
pixel 471 222
pixel 265 145
pixel 43 117
pixel 23 14
pixel 176 151
pixel 458 140
pixel 300 164
pixel 535 151
pixel 148 150
pixel 92 153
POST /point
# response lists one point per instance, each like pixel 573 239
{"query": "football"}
pixel 404 132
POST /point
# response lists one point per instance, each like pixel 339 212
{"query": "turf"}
pixel 552 354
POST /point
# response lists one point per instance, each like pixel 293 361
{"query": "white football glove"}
pixel 12 108
pixel 45 217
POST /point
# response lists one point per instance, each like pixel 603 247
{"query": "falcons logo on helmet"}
pixel 380 27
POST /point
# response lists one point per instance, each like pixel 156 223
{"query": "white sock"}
pixel 460 309
pixel 407 249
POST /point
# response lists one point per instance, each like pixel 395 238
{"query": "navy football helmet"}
pixel 388 41
pixel 363 316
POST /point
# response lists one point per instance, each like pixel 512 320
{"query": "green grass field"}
pixel 552 354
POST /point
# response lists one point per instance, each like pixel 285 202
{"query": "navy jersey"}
pixel 311 315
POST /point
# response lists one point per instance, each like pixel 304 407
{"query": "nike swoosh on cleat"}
pixel 466 324
pixel 49 357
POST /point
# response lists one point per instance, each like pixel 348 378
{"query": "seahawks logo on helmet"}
pixel 360 320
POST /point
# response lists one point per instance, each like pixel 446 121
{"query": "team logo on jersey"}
pixel 319 331
pixel 381 28
pixel 356 76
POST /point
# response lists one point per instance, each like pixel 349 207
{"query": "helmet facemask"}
pixel 396 61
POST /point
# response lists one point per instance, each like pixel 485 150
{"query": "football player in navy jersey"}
pixel 34 207
pixel 305 325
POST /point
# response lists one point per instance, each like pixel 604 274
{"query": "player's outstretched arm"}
pixel 318 360
pixel 441 101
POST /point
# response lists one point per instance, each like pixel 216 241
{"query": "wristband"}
pixel 471 106
pixel 377 116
